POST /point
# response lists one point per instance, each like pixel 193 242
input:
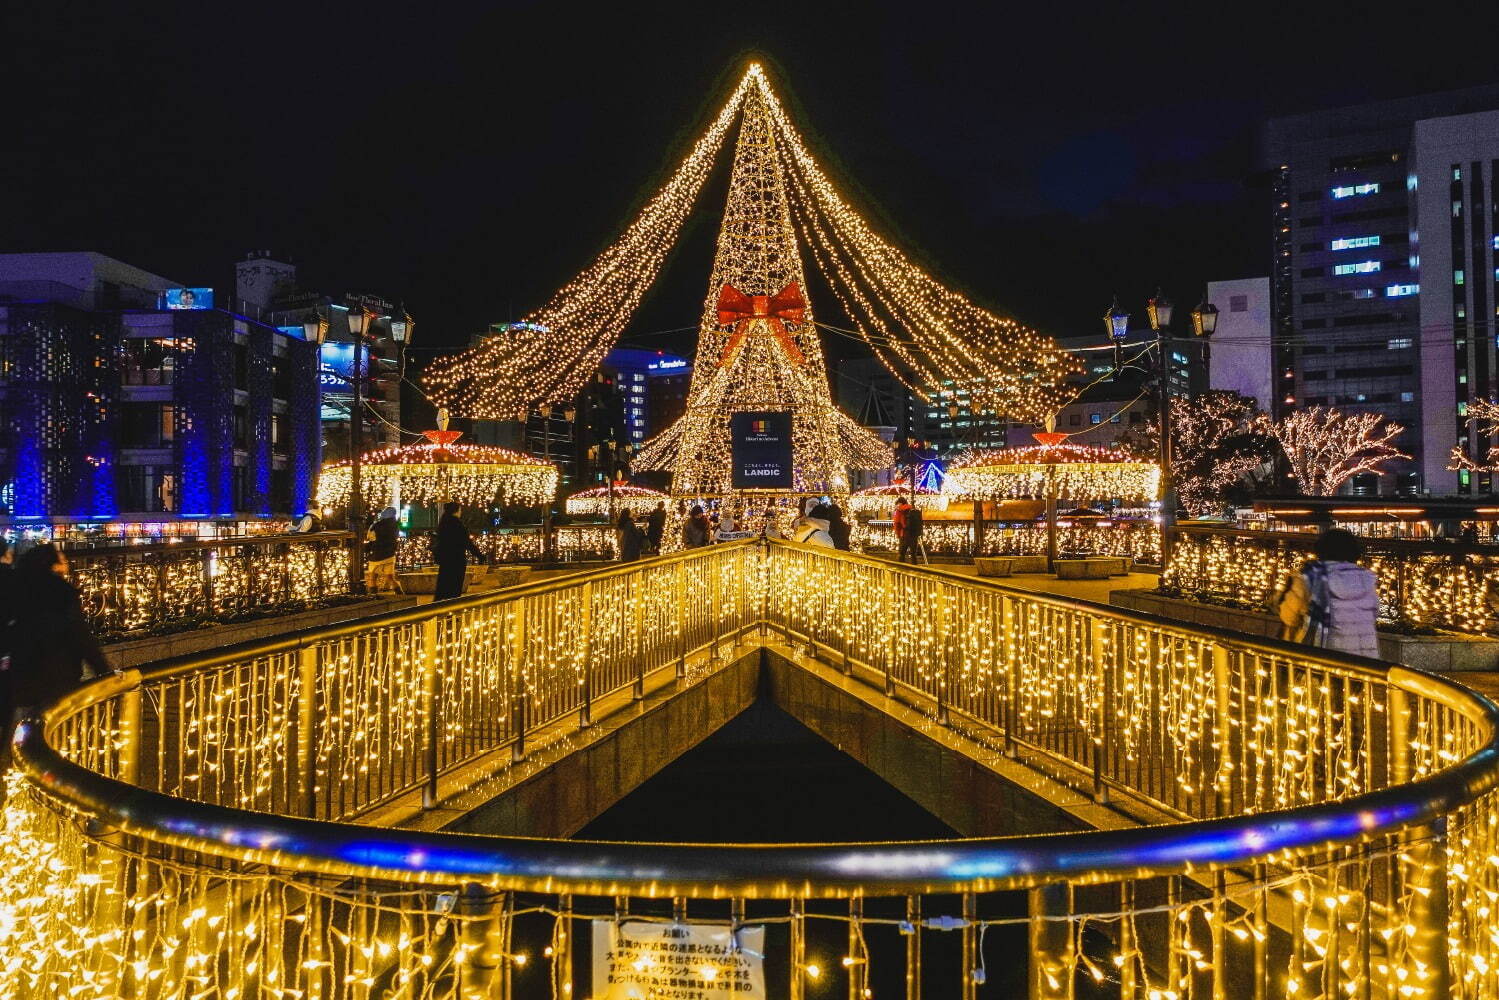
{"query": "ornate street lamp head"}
pixel 1204 319
pixel 1116 321
pixel 1159 310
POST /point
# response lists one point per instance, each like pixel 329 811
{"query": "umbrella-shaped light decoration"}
pixel 1053 469
pixel 437 470
pixel 880 499
pixel 638 500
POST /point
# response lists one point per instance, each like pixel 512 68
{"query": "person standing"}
pixel 655 527
pixel 1331 602
pixel 910 537
pixel 898 521
pixel 838 528
pixel 49 654
pixel 451 549
pixel 384 537
pixel 695 530
pixel 813 528
pixel 629 537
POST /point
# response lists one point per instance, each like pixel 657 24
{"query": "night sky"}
pixel 468 159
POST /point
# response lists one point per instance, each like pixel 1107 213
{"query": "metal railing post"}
pixel 1051 972
pixel 797 926
pixel 942 676
pixel 858 965
pixel 972 960
pixel 515 680
pixel 307 663
pixel 1223 732
pixel 431 711
pixel 562 954
pixel 585 708
pixel 1101 649
pixel 1128 989
pixel 1423 864
pixel 680 583
pixel 912 931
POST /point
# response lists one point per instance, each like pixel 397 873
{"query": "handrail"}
pixel 777 871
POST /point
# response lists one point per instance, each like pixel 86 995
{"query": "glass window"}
pixel 1354 190
pixel 1458 277
pixel 1353 242
pixel 1398 291
pixel 1362 267
pixel 1238 303
pixel 1095 418
pixel 1407 397
pixel 1398 343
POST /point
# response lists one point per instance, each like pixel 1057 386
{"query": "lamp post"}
pixel 1159 309
pixel 356 447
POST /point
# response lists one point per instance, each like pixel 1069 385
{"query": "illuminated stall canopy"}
pixel 1073 471
pixel 880 499
pixel 638 500
pixel 438 470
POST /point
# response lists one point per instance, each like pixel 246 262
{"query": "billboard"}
pixel 335 370
pixel 187 298
pixel 760 446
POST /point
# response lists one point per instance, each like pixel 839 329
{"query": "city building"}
pixel 633 396
pixel 125 396
pixel 1383 280
pixel 268 288
pixel 1240 353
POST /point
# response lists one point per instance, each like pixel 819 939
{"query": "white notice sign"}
pixel 643 960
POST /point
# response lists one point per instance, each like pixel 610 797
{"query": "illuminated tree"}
pixel 758 348
pixel 1483 417
pixel 1327 447
pixel 929 335
pixel 1218 440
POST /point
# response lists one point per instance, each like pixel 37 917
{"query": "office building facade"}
pixel 1383 281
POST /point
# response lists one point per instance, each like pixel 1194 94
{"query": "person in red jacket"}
pixel 901 506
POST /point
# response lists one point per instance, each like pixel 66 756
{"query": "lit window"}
pixel 1356 189
pixel 1363 293
pixel 1462 409
pixel 1095 418
pixel 1496 242
pixel 1398 343
pixel 1457 209
pixel 1414 261
pixel 1407 397
pixel 1399 291
pixel 1457 173
pixel 1457 277
pixel 1362 267
pixel 1354 243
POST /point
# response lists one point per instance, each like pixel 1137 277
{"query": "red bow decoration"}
pixel 786 306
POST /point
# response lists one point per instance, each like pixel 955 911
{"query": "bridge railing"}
pixel 166 586
pixel 1441 584
pixel 1325 826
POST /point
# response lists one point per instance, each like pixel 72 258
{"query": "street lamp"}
pixel 357 320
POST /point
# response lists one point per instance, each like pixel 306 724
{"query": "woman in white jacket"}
pixel 1331 602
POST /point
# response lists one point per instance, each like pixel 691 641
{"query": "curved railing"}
pixel 1325 827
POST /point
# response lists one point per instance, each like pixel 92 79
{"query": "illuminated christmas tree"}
pixel 758 349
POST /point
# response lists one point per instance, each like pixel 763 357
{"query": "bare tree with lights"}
pixel 1327 447
pixel 1483 417
pixel 1218 440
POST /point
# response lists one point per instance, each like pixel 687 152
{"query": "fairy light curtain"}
pixel 929 335
pixel 438 470
pixel 1078 472
pixel 881 499
pixel 638 500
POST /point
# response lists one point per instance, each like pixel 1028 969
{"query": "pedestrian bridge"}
pixel 285 818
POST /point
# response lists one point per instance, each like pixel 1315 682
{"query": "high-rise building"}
pixel 1383 280
pixel 127 396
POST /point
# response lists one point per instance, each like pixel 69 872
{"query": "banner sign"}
pixel 187 298
pixel 672 961
pixel 760 446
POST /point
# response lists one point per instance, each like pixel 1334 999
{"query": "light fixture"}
pixel 400 328
pixel 314 329
pixel 1158 309
pixel 356 320
pixel 1204 319
pixel 1116 321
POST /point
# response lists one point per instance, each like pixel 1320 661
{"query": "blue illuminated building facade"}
pixel 115 408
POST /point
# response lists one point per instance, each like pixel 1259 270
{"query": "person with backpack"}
pixel 1331 602
pixel 910 538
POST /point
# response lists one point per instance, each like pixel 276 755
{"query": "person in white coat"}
pixel 1332 602
pixel 813 528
